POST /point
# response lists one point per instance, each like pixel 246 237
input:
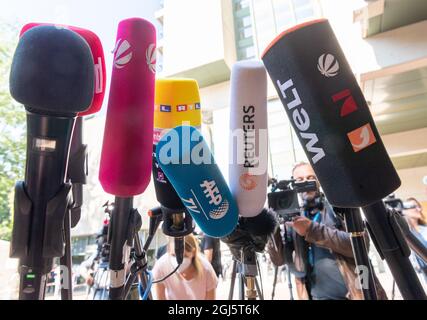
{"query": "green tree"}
pixel 12 133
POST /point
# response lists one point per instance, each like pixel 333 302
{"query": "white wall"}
pixel 412 185
pixel 194 34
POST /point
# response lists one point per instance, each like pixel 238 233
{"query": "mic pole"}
pixel 77 170
pixel 392 246
pixel 76 173
pixel 120 227
pixel 356 229
pixel 177 224
pixel 66 262
pixel 140 265
pixel 44 176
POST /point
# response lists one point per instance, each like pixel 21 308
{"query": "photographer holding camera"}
pixel 324 264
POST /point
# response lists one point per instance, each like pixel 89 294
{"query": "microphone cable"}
pixel 144 295
pixel 167 276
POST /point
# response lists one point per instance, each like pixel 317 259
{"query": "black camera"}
pixel 285 202
pixel 397 204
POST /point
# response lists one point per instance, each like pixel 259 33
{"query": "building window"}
pixel 273 16
pixel 250 52
pixel 241 4
pixel 301 3
pixel 304 14
pixel 243 30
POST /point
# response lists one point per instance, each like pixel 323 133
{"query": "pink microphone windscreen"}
pixel 126 157
pixel 98 58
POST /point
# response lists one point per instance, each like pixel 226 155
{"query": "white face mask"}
pixel 186 262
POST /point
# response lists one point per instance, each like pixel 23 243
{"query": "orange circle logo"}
pixel 247 181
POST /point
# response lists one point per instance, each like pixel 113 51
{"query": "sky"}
pixel 99 16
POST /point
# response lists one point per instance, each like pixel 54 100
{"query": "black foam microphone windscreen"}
pixel 330 115
pixel 52 71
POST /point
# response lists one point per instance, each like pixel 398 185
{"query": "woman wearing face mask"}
pixel 417 224
pixel 195 279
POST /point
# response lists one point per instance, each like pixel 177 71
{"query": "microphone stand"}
pixel 177 223
pixel 77 169
pixel 391 245
pixel 247 269
pixel 41 202
pixel 76 173
pixel 355 227
pixel 66 262
pixel 122 237
pixel 139 268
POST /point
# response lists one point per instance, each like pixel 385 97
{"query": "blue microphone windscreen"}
pixel 189 165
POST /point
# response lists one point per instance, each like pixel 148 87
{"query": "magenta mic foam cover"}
pixel 126 157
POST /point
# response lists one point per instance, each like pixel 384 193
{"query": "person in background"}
pixel 94 270
pixel 325 262
pixel 418 226
pixel 212 250
pixel 195 278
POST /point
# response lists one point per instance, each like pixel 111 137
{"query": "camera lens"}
pixel 284 203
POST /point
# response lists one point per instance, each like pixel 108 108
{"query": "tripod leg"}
pixel 355 227
pixel 66 262
pixel 241 286
pixel 276 271
pixel 258 289
pixel 393 290
pixel 291 295
pixel 233 280
pixel 394 249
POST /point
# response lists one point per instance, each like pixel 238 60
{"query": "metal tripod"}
pixel 247 269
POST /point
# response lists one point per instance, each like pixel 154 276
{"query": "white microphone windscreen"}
pixel 248 161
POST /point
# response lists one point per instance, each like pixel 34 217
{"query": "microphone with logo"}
pixel 52 76
pixel 185 158
pixel 177 102
pixel 335 127
pixel 125 167
pixel 77 163
pixel 248 149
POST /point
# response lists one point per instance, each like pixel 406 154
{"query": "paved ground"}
pixel 9 281
pixel 282 291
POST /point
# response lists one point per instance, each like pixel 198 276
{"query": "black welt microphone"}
pixel 334 125
pixel 52 75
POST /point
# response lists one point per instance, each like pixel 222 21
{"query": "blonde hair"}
pixel 191 244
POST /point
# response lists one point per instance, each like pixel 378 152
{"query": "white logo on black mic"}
pixel 122 54
pixel 328 65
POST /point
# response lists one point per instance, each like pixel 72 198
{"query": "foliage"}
pixel 12 133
